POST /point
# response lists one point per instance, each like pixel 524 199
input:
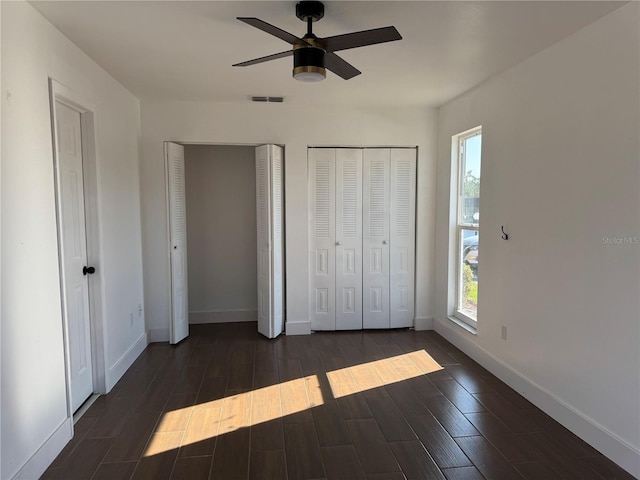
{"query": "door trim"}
pixel 59 92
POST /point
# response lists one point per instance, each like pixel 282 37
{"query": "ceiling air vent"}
pixel 268 99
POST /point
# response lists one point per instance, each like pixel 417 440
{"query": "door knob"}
pixel 385 242
pixel 89 270
pixel 338 243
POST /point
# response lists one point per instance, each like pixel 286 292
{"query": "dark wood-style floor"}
pixel 229 404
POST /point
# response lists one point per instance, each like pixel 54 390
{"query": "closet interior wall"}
pixel 221 233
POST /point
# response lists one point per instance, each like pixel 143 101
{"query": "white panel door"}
pixel 402 240
pixel 348 250
pixel 74 251
pixel 179 325
pixel 376 237
pixel 269 222
pixel 322 238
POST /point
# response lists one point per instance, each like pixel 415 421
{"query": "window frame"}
pixel 460 225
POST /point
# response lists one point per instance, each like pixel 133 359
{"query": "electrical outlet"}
pixel 504 332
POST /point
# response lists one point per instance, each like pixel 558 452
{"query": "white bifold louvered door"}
pixel 376 237
pixel 269 217
pixel 362 237
pixel 336 238
pixel 322 260
pixel 348 240
pixel 389 214
pixel 402 237
pixel 179 325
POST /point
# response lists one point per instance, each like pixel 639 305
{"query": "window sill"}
pixel 463 325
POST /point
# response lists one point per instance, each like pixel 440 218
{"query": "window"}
pixel 469 146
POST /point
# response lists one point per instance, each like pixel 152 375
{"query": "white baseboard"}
pixel 47 453
pixel 423 323
pixel 223 316
pixel 158 335
pixel 298 328
pixel 119 368
pixel 606 442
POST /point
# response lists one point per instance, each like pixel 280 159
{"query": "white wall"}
pixel 35 424
pixel 560 169
pixel 295 128
pixel 221 233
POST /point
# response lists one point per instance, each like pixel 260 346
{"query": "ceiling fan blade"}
pixel 272 30
pixel 338 66
pixel 360 39
pixel 275 56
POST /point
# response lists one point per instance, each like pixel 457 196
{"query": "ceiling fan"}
pixel 313 55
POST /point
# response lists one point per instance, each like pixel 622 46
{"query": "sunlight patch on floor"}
pixel 218 417
pixel 366 376
pixel 207 420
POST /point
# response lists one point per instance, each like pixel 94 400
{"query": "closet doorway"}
pixel 220 190
pixel 230 266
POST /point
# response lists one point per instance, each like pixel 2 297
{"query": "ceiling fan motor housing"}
pixel 308 59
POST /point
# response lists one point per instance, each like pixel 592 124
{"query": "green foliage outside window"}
pixel 469 287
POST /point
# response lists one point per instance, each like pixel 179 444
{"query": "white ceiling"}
pixel 184 50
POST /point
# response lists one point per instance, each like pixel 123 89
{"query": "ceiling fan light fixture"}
pixel 309 73
pixel 308 64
